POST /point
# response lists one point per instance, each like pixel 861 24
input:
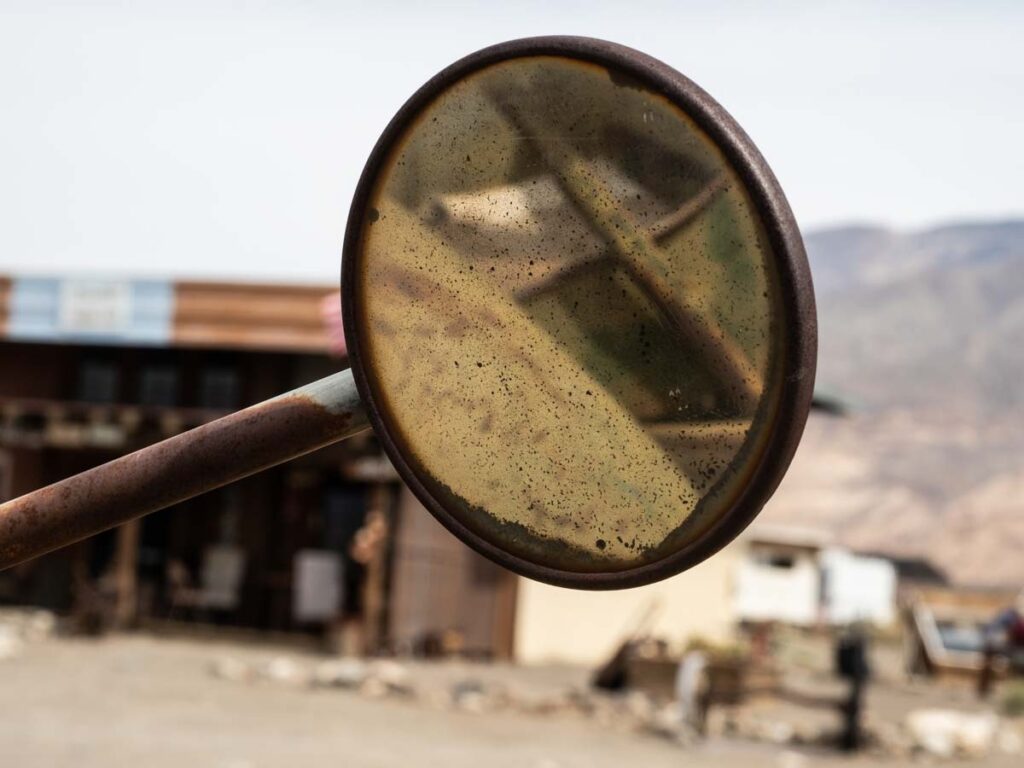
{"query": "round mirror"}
pixel 579 312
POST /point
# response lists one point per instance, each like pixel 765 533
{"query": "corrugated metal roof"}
pixel 129 312
pixel 272 317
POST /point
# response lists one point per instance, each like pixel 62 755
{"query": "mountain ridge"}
pixel 921 331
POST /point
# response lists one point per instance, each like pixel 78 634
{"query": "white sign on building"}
pixel 94 306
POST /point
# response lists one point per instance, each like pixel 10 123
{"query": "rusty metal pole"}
pixel 181 467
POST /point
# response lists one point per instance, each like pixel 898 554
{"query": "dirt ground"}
pixel 144 700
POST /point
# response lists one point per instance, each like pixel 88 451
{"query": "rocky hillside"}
pixel 923 334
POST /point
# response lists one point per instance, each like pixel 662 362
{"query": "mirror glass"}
pixel 567 314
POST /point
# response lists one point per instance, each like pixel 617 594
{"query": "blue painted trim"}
pixel 38 312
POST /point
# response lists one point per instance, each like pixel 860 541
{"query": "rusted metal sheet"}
pixel 271 317
pixel 177 469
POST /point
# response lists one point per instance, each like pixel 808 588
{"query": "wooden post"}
pixel 375 582
pixel 504 629
pixel 125 575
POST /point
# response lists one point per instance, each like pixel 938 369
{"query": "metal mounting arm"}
pixel 176 469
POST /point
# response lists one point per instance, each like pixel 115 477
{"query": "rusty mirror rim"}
pixel 799 344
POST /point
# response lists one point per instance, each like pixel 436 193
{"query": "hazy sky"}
pixel 225 138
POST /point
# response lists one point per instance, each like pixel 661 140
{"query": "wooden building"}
pixel 331 543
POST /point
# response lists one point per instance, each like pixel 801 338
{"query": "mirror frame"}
pixel 798 322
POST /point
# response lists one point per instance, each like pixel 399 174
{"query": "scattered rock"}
pixel 349 674
pixel 790 759
pixel 778 732
pixel 581 700
pixel 284 669
pixel 373 688
pixel 230 668
pixel 640 707
pixel 474 702
pixel 549 702
pixel 667 722
pixel 948 733
pixel 390 677
pixel 38 625
pixel 11 643
pixel 471 696
pixel 438 698
pixel 1009 740
pixel 890 739
pixel 25 626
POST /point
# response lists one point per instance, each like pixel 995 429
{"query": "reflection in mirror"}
pixel 567 307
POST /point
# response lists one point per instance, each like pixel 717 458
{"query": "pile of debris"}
pixel 472 695
pixel 924 733
pixel 949 733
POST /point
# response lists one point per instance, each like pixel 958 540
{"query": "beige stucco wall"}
pixel 562 625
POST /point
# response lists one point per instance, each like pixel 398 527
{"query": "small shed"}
pixel 796 575
pixel 779 577
pixel 857 588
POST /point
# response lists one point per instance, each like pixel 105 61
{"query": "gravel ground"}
pixel 140 700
